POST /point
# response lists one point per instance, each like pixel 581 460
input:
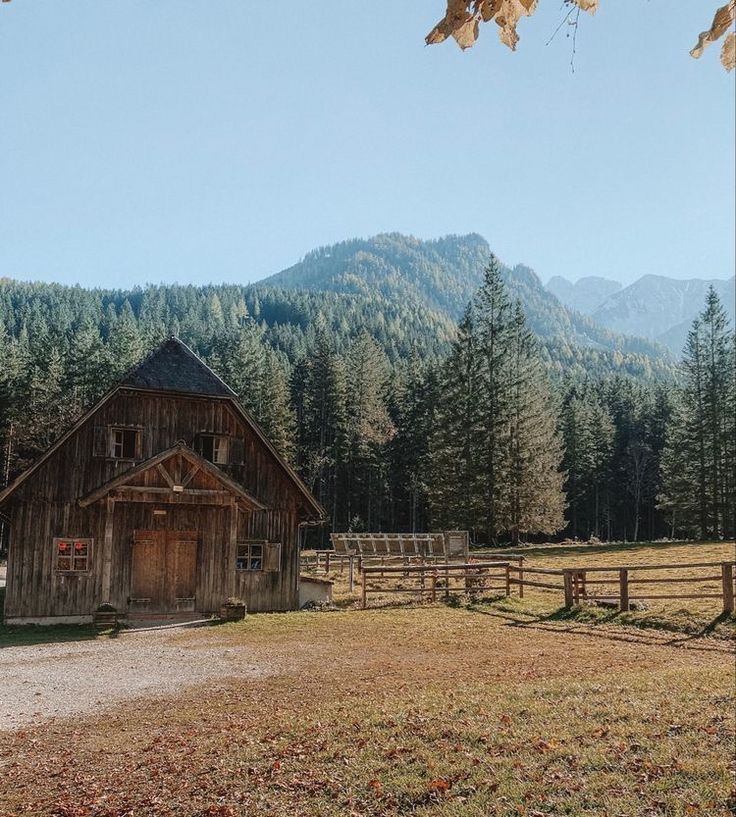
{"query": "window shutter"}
pixel 100 442
pixel 272 557
pixel 237 451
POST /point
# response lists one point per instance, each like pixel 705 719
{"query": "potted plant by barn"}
pixel 233 610
pixel 105 617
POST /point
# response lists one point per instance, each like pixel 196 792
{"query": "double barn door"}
pixel 164 569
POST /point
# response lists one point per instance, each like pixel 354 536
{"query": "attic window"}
pixel 213 448
pixel 72 555
pixel 124 443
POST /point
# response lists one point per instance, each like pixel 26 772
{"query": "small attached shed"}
pixel 314 591
pixel 166 497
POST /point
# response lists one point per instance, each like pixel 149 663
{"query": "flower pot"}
pixel 232 612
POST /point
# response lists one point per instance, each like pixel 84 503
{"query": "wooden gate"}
pixel 163 570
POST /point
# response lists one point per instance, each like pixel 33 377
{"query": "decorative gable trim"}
pixel 176 490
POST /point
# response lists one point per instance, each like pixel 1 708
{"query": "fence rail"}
pixel 622 584
pixel 575 583
pixel 428 581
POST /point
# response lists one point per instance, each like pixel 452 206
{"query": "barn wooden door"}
pixel 164 570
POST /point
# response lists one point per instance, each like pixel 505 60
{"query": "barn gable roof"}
pixel 173 366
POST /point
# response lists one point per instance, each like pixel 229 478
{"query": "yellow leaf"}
pixel 728 52
pixel 722 21
pixel 456 16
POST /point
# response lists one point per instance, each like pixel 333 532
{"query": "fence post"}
pixel 727 577
pixel 365 588
pixel 350 574
pixel 623 589
pixel 434 585
pixel 567 580
pixel 508 580
pixel 447 581
pixel 327 562
pixel 521 577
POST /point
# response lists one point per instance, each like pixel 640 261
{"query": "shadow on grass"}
pixel 29 634
pixel 635 624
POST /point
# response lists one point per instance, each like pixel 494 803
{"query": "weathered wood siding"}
pixel 46 505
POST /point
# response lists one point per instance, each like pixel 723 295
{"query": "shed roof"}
pixel 173 366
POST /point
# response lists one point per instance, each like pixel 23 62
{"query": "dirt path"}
pixel 57 680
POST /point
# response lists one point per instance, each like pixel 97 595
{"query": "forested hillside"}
pixel 525 420
pixel 439 278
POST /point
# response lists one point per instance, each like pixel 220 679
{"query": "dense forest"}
pixel 519 421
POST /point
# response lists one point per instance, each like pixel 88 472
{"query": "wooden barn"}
pixel 165 498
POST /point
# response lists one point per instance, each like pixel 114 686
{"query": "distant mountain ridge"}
pixel 441 275
pixel 439 278
pixel 655 306
pixel 585 294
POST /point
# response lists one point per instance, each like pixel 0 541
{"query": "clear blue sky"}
pixel 191 141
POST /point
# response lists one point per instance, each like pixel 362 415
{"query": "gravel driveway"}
pixel 61 679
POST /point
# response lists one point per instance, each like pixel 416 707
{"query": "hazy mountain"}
pixel 584 295
pixel 439 277
pixel 662 308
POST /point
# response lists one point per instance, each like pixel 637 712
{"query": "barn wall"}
pixel 46 506
pixel 73 470
pixel 34 589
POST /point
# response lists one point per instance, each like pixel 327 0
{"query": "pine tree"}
pixel 495 331
pixel 369 430
pixel 536 501
pixel 86 372
pixel 413 405
pixel 698 476
pixel 495 451
pixel 323 427
pixel 454 457
pixel 125 346
pixel 278 415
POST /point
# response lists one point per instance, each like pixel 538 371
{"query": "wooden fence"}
pixel 430 581
pixel 427 576
pixel 620 585
pixel 328 561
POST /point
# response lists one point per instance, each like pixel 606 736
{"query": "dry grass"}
pixel 688 615
pixel 423 711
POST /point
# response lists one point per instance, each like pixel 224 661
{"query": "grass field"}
pixel 689 615
pixel 441 710
pixel 509 708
